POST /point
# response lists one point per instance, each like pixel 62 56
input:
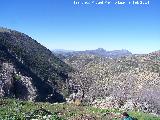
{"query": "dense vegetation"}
pixel 32 54
pixel 27 62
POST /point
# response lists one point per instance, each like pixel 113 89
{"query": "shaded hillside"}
pixel 130 82
pixel 24 60
pixel 98 52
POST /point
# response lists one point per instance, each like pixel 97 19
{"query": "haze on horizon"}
pixel 59 24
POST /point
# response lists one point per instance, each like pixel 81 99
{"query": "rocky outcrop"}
pixel 126 105
pixel 6 80
pixel 23 88
pixel 76 93
pixel 13 84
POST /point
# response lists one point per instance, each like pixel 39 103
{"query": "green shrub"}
pixel 17 77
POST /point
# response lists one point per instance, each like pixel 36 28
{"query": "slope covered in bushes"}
pixel 130 82
pixel 25 58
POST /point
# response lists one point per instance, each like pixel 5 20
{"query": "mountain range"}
pixel 98 52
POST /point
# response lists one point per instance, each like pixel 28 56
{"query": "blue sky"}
pixel 59 24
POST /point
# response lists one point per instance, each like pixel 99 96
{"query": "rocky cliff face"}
pixel 6 79
pixel 15 85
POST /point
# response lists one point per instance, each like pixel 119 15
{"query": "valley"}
pixel 76 85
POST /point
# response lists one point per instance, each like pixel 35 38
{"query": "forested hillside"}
pixel 27 65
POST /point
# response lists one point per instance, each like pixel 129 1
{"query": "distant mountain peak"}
pixel 101 52
pixel 100 49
